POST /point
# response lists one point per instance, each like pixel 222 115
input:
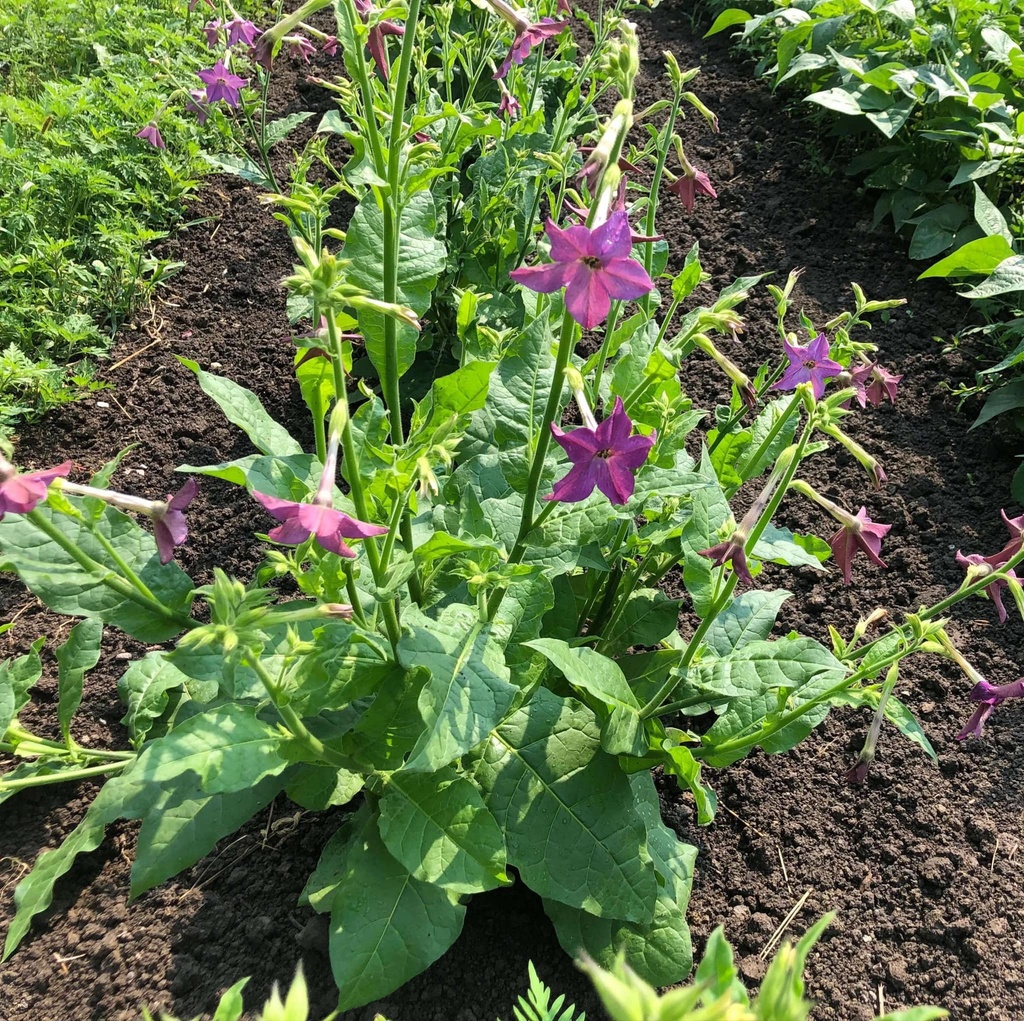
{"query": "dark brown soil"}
pixel 919 864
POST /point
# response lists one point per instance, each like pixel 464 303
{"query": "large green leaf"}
pixel 1006 278
pixel 386 926
pixel 185 824
pixel 78 655
pixel 16 677
pixel 242 407
pixel 980 256
pixel 438 827
pixel 659 951
pixel 567 810
pixel 228 747
pixel 749 617
pixel 421 258
pixel 61 582
pixel 468 692
pixel 646 618
pixel 144 687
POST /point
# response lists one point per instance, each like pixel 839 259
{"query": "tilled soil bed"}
pixel 919 864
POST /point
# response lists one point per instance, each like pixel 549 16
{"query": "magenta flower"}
pixel 222 84
pixel 989 696
pixel 330 45
pixel 810 364
pixel 976 566
pixel 1016 527
pixel 509 106
pixel 604 457
pixel 151 133
pixel 212 30
pixel 193 3
pixel 883 384
pixel 731 550
pixel 241 31
pixel 689 186
pixel 527 36
pixel 330 527
pixel 169 526
pixel 592 265
pixel 21 492
pixel 299 47
pixel 196 103
pixel 375 44
pixel 563 7
pixel 859 534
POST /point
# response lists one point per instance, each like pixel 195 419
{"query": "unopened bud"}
pixel 336 611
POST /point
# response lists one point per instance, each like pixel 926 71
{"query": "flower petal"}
pixel 571 244
pixel 633 452
pixel 616 481
pixel 544 279
pixel 586 297
pixel 613 239
pixel 578 484
pixel 580 444
pixel 626 279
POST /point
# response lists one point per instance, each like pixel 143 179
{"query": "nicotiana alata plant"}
pixel 459 626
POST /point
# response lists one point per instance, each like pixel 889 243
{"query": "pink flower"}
pixel 21 492
pixel 690 185
pixel 527 36
pixel 212 30
pixel 989 696
pixel 299 47
pixel 330 45
pixel 196 103
pixel 241 31
pixel 151 133
pixel 732 549
pixel 810 364
pixel 860 533
pixel 222 84
pixel 509 106
pixel 604 457
pixel 169 526
pixel 592 265
pixel 883 384
pixel 976 566
pixel 375 44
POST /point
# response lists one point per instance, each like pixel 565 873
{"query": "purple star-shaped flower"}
pixel 979 566
pixel 525 40
pixel 592 265
pixel 810 364
pixel 169 526
pixel 731 550
pixel 509 106
pixel 862 534
pixel 883 385
pixel 21 492
pixel 151 133
pixel 330 45
pixel 330 527
pixel 222 84
pixel 242 31
pixel 212 31
pixel 299 47
pixel 688 187
pixel 605 457
pixel 989 696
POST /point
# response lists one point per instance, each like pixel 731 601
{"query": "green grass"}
pixel 82 199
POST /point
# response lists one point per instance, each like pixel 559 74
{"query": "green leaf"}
pixel 895 712
pixel 1006 398
pixel 386 926
pixel 974 170
pixel 231 1005
pixel 78 655
pixel 421 258
pixel 733 16
pixel 749 617
pixel 682 765
pixel 646 618
pixel 228 747
pixel 980 256
pixel 241 166
pixel 837 99
pixel 66 587
pixel 184 826
pixel 987 214
pixel 242 407
pixel 1006 278
pixel 16 677
pixel 280 129
pixel 659 951
pixel 317 788
pixel 567 810
pixel 438 827
pixel 468 692
pixel 601 677
pixel 777 545
pixel 718 972
pixel 144 687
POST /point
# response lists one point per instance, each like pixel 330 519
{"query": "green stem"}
pixel 119 561
pixel 766 443
pixel 602 355
pixel 64 776
pixel 291 718
pixel 107 577
pixel 727 428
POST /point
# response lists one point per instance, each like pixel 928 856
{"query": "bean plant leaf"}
pixel 977 257
pixel 65 586
pixel 243 408
pixel 438 827
pixel 421 258
pixel 1006 278
pixel 567 810
pixel 469 690
pixel 78 655
pixel 386 926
